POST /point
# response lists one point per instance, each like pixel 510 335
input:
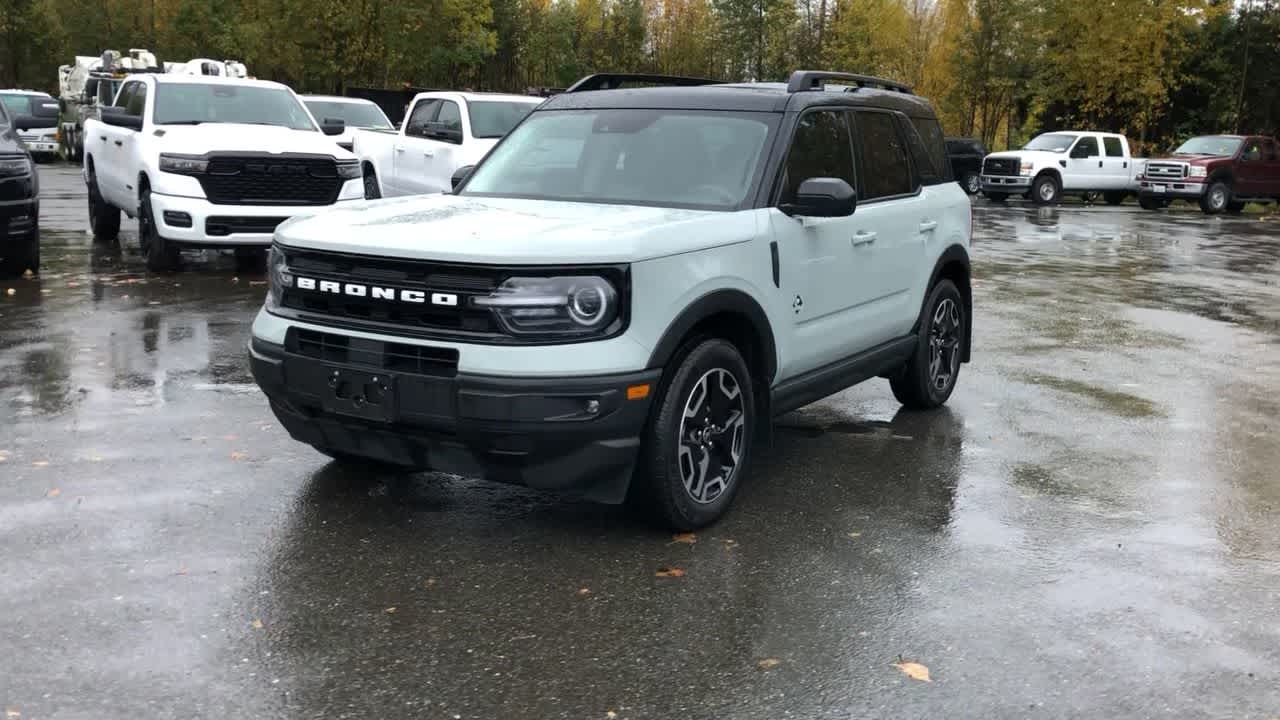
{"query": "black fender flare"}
pixel 953 254
pixel 713 303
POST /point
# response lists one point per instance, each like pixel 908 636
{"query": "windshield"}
pixel 1210 145
pixel 1053 142
pixel 197 103
pixel 495 118
pixel 355 115
pixel 664 158
pixel 17 104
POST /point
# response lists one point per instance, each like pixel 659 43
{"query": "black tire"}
pixel 161 255
pixel 1113 198
pixel 1149 203
pixel 104 220
pixel 683 492
pixel 1216 198
pixel 1235 207
pixel 922 385
pixel 1046 190
pixel 23 255
pixel 996 197
pixel 971 183
pixel 371 189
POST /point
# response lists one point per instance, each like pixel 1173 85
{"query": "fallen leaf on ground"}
pixel 53 493
pixel 390 610
pixel 584 591
pixel 257 624
pixel 610 714
pixel 238 455
pixel 854 535
pixel 40 463
pixel 913 670
pixel 669 572
pixel 768 663
pixel 686 538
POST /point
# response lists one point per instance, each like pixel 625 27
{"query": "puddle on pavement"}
pixel 1117 403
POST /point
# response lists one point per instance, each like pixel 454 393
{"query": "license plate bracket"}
pixel 1157 188
pixel 356 393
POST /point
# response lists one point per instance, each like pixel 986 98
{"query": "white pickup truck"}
pixel 212 162
pixel 442 132
pixel 1063 162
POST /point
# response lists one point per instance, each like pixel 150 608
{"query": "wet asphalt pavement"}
pixel 1090 530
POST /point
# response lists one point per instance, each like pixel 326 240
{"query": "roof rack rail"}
pixel 612 81
pixel 803 80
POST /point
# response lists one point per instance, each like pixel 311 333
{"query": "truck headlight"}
pixel 1026 168
pixel 1197 171
pixel 183 164
pixel 10 167
pixel 278 277
pixel 349 169
pixel 554 306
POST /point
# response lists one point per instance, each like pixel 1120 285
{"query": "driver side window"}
pixel 1087 147
pixel 821 147
pixel 423 113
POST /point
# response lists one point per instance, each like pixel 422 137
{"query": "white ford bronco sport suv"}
pixel 212 162
pixel 627 288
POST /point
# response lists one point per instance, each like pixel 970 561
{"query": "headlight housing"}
pixel 278 277
pixel 183 164
pixel 1197 171
pixel 562 306
pixel 10 167
pixel 349 169
pixel 1026 167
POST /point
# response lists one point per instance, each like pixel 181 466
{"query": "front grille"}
pixel 421 319
pixel 1000 166
pixel 1166 170
pixel 222 225
pixel 396 357
pixel 271 180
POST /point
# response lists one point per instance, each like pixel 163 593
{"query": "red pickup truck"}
pixel 1220 172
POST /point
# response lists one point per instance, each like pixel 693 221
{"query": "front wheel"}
pixel 162 255
pixel 1045 190
pixel 23 255
pixel 1216 198
pixel 970 183
pixel 697 445
pixel 929 376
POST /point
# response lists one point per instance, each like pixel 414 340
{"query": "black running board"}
pixel 827 380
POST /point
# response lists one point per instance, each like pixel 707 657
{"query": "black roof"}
pixel 743 97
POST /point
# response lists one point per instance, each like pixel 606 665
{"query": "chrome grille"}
pixel 1166 170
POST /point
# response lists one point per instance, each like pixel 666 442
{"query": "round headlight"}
pixel 587 304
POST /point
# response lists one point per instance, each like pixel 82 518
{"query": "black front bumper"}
pixel 579 436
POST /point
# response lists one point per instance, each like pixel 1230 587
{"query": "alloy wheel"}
pixel 944 345
pixel 1047 191
pixel 712 435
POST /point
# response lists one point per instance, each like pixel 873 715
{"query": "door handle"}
pixel 928 226
pixel 103 138
pixel 1099 163
pixel 399 148
pixel 863 238
pixel 428 153
pixel 119 143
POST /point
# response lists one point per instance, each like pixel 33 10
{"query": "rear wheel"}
pixel 1216 198
pixel 697 445
pixel 1113 198
pixel 161 255
pixel 929 376
pixel 104 220
pixel 970 183
pixel 23 254
pixel 1045 190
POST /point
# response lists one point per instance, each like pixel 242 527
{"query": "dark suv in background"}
pixel 966 156
pixel 19 196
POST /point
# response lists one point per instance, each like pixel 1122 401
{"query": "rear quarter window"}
pixel 935 148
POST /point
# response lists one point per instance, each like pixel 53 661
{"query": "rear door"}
pixel 1115 163
pixel 1256 171
pixel 409 158
pixel 107 144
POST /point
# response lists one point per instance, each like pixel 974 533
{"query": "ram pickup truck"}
pixel 357 113
pixel 444 131
pixel 210 162
pixel 1063 162
pixel 19 198
pixel 41 138
pixel 1219 172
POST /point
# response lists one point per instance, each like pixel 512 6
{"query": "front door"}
pixel 1084 169
pixel 818 270
pixel 410 162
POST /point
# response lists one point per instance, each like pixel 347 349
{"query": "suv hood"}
pixel 452 228
pixel 236 137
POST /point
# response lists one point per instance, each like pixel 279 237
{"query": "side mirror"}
pixel 460 175
pixel 117 116
pixel 333 126
pixel 822 197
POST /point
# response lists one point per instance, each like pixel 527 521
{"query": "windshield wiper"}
pixel 183 122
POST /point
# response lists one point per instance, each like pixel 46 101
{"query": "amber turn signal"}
pixel 638 392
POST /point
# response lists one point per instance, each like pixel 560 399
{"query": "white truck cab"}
pixel 356 113
pixel 442 132
pixel 210 162
pixel 1052 164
